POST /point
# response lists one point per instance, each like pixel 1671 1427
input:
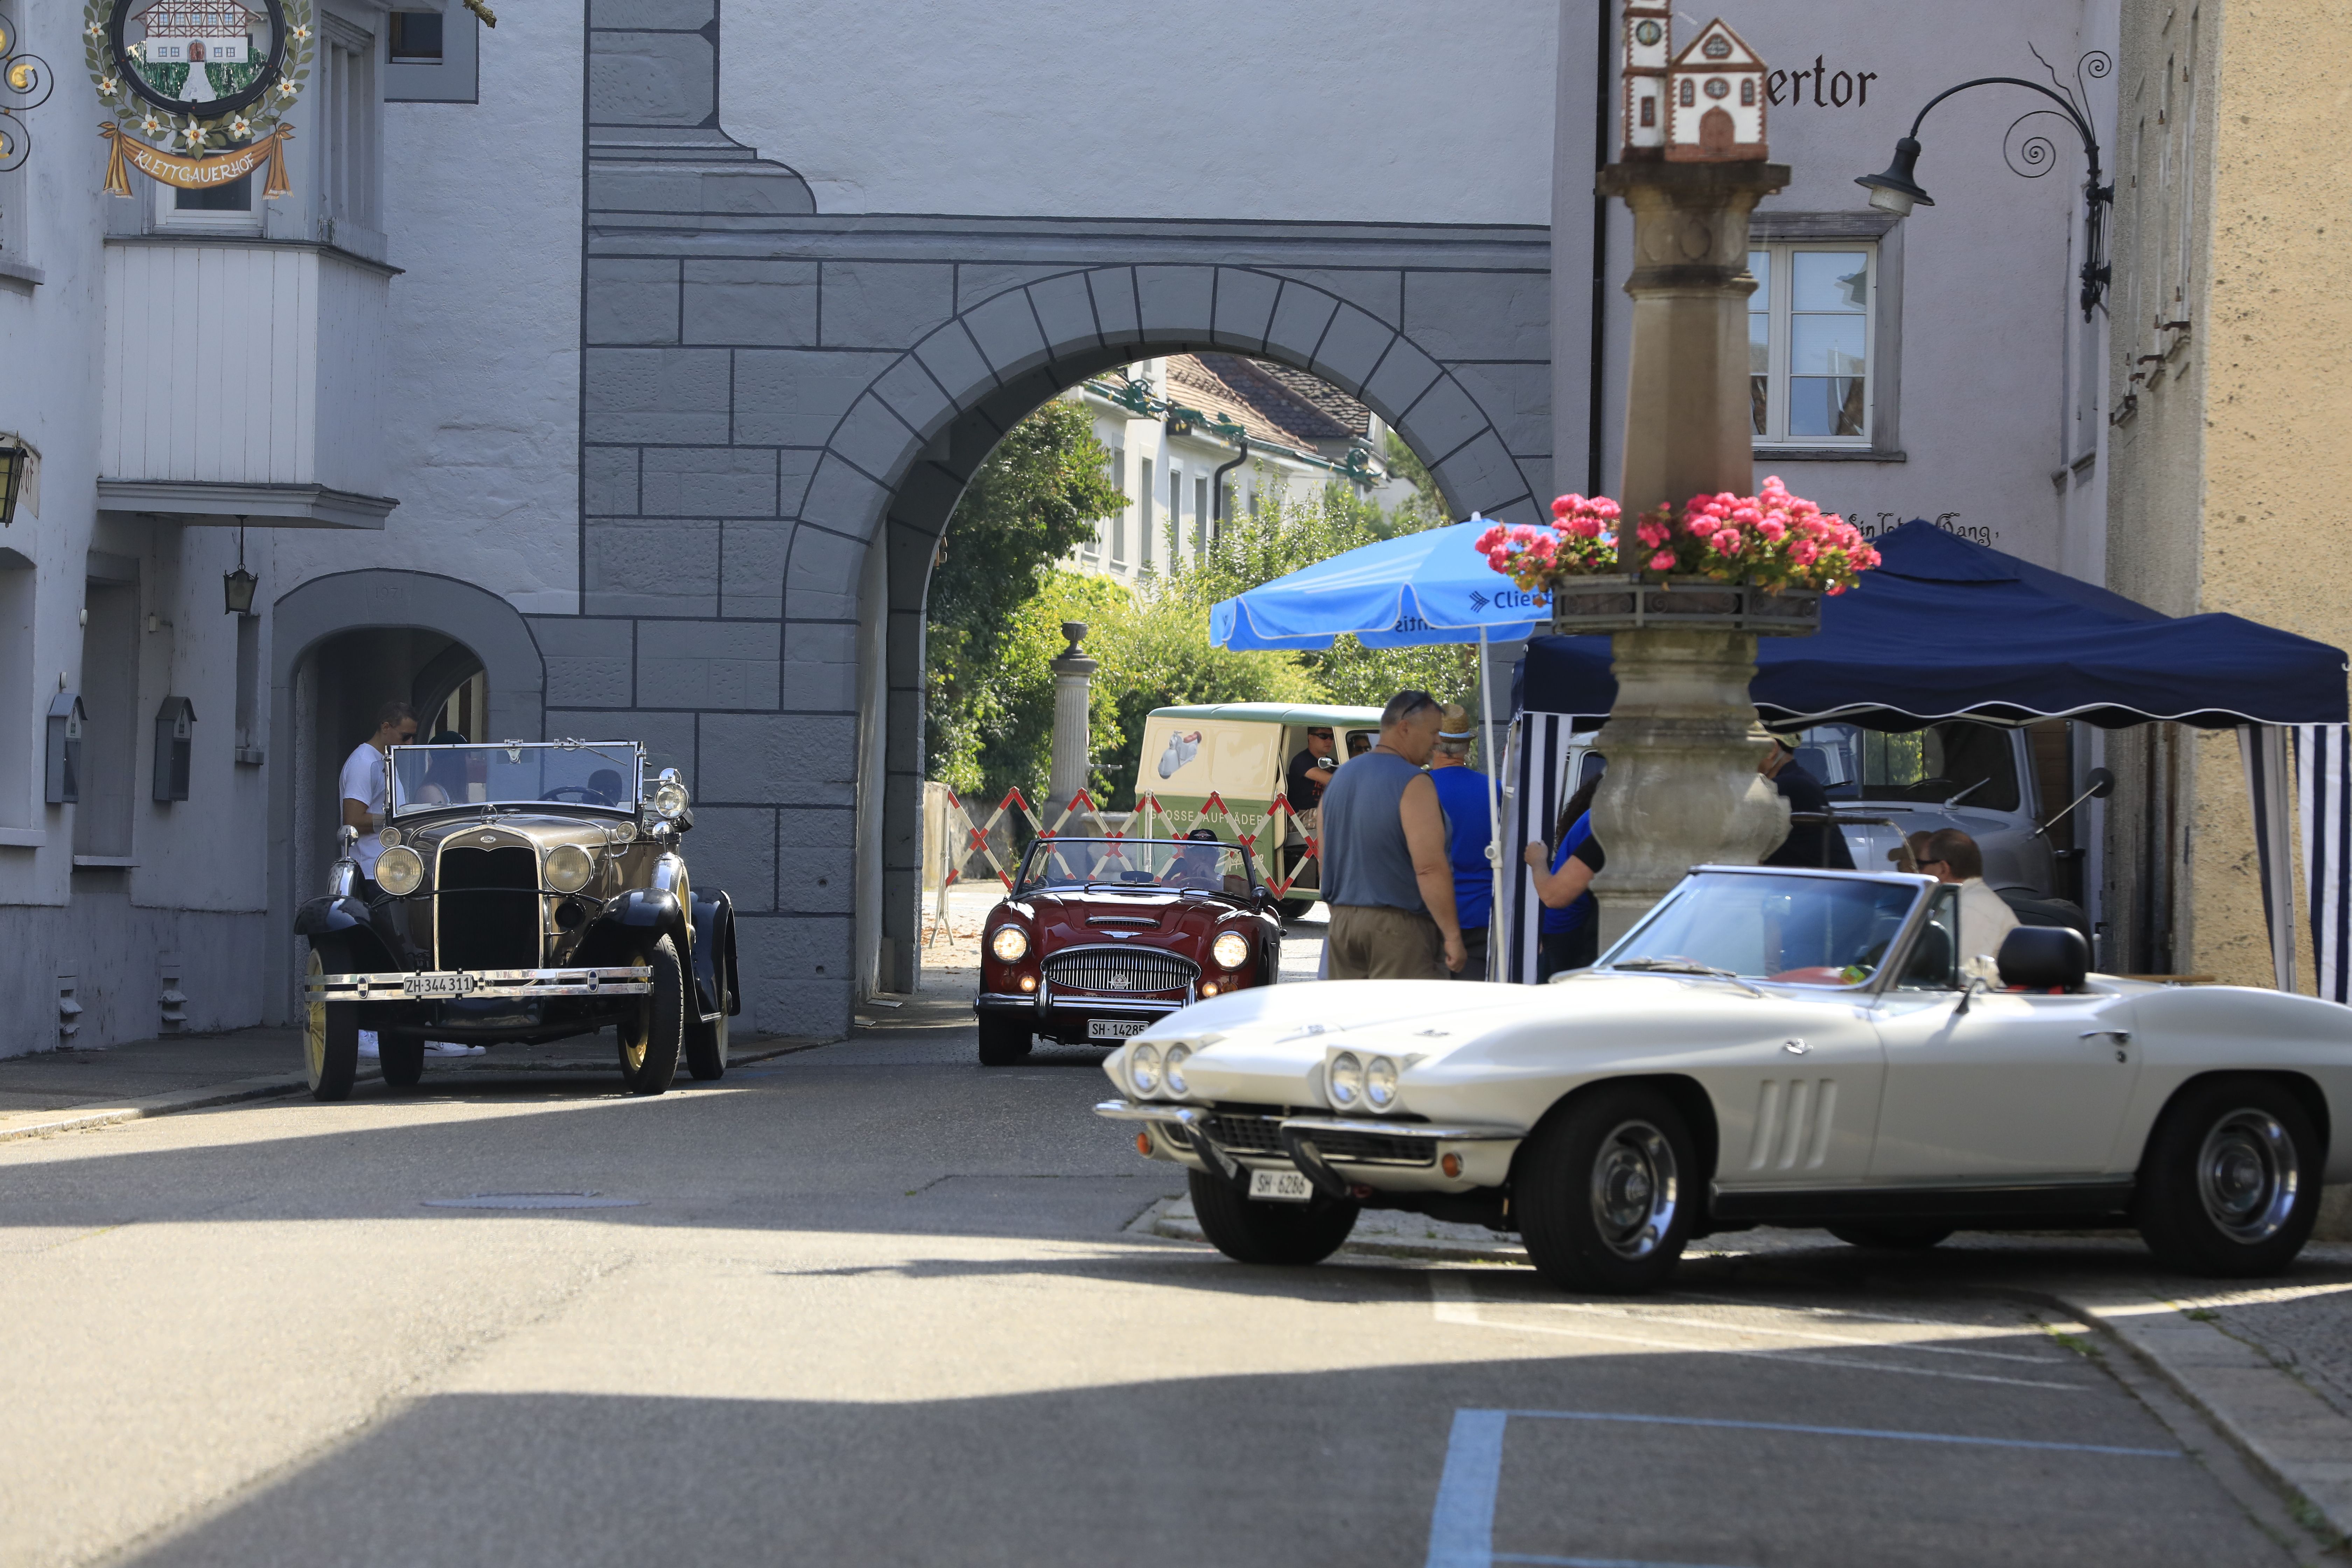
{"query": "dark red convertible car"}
pixel 1101 936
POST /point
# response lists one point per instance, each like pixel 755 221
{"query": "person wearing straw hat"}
pixel 1469 834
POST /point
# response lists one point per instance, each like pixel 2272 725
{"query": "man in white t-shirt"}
pixel 1951 856
pixel 365 785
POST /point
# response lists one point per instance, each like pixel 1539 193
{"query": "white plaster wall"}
pixel 481 406
pixel 1987 282
pixel 1236 109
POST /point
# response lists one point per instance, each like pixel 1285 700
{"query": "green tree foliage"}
pixel 1033 501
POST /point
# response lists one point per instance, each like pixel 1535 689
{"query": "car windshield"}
pixel 1203 865
pixel 553 773
pixel 1802 930
pixel 1975 762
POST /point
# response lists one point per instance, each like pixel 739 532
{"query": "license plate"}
pixel 1282 1186
pixel 456 984
pixel 1116 1028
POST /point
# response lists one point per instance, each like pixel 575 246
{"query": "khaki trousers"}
pixel 1373 941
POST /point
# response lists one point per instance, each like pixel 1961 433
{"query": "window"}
pixel 414 39
pixel 1959 759
pixel 347 110
pixel 18 746
pixel 1809 341
pixel 1142 508
pixel 248 688
pixel 236 196
pixel 1200 516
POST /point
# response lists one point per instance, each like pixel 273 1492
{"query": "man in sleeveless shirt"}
pixel 1386 875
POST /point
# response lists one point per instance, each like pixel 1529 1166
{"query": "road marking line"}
pixel 1462 1521
pixel 1453 1304
pixel 1639 1317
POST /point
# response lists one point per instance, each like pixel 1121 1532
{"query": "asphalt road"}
pixel 872 1304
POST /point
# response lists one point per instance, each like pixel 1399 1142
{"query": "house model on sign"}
pixel 197 32
pixel 1704 105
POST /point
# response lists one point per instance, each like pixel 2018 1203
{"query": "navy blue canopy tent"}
pixel 1945 628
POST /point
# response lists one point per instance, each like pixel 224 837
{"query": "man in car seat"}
pixel 1985 920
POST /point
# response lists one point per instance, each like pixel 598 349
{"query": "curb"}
pixel 2296 1439
pixel 83 1118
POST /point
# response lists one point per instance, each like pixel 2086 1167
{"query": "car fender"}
pixel 653 910
pixel 343 923
pixel 714 940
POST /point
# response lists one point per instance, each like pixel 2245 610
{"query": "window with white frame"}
pixel 1810 327
pixel 348 112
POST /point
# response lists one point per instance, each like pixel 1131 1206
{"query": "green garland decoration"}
pixel 194 136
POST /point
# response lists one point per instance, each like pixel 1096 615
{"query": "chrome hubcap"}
pixel 1635 1188
pixel 2248 1175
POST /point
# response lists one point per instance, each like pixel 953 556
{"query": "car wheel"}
pixel 1003 1042
pixel 650 1040
pixel 403 1060
pixel 2230 1185
pixel 706 1043
pixel 1892 1237
pixel 331 1042
pixel 1250 1230
pixel 1607 1191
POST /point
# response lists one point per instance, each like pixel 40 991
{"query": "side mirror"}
pixel 349 837
pixel 2099 784
pixel 2044 958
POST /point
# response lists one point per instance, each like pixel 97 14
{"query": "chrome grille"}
pixel 1263 1135
pixel 1120 971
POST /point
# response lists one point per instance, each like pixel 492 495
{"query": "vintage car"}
pixel 1766 1047
pixel 1100 937
pixel 528 892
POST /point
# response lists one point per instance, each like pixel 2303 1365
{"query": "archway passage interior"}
pixel 1192 440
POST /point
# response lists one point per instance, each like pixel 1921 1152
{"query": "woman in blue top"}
pixel 1570 936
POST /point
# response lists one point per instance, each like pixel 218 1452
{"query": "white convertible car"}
pixel 1765 1047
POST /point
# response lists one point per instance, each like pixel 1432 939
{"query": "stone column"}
pixel 1682 788
pixel 1074 671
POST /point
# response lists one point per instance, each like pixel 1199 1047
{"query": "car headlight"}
pixel 1231 950
pixel 569 867
pixel 1010 943
pixel 1177 1057
pixel 399 872
pixel 1143 1070
pixel 669 799
pixel 1380 1083
pixel 1345 1079
pixel 388 835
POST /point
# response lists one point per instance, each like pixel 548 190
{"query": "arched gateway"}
pixel 780 408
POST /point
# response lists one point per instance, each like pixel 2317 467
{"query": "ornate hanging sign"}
pixel 198 88
pixel 24 84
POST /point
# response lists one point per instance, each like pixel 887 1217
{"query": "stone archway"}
pixel 456 624
pixel 893 466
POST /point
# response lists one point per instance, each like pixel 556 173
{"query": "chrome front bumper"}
pixel 463 984
pixel 1484 1151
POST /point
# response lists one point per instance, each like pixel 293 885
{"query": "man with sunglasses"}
pixel 1310 770
pixel 1951 856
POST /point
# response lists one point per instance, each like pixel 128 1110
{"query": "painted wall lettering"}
pixel 1949 521
pixel 1820 87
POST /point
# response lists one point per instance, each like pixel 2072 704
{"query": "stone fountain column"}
pixel 1074 671
pixel 1682 788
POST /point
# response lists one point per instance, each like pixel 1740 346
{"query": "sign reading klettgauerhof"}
pixel 198 88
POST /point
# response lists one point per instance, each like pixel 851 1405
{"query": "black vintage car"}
pixel 527 891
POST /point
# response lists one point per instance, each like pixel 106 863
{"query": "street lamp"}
pixel 1897 189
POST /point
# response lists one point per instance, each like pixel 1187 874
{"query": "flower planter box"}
pixel 1583 606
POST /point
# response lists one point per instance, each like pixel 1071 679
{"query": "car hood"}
pixel 1268 1047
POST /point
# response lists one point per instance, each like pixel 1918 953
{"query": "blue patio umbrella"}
pixel 1408 592
pixel 1412 591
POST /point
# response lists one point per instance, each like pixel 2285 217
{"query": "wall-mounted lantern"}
pixel 237 587
pixel 16 465
pixel 62 782
pixel 176 740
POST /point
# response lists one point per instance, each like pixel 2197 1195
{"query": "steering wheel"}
pixel 580 792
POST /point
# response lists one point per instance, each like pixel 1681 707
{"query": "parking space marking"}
pixel 1640 1317
pixel 1455 1303
pixel 1462 1524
